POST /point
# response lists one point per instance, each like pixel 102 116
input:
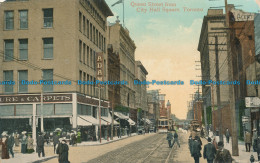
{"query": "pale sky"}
pixel 167 42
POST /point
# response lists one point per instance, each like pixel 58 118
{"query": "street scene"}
pixel 135 81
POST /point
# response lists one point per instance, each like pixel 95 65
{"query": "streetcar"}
pixel 163 125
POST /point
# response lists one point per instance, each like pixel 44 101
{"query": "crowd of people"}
pixel 26 143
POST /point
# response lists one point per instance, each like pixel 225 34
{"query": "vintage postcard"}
pixel 129 81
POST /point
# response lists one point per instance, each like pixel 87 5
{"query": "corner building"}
pixel 52 40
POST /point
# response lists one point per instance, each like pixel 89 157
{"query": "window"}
pixel 91 61
pixel 8 76
pixel 47 78
pixel 96 38
pixel 80 19
pixel 9 20
pixel 84 25
pixel 24 110
pixel 104 44
pixel 80 49
pixel 23 19
pixel 48 48
pixel 94 35
pixel 80 78
pixel 90 32
pixel 23 49
pixel 48 18
pixel 84 86
pixel 104 112
pixel 9 50
pixel 105 67
pixel 88 85
pixel 88 55
pixel 84 53
pixel 87 28
pixel 94 60
pixel 22 76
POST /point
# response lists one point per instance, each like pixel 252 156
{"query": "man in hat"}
pixel 3 142
pixel 209 151
pixel 63 151
pixel 175 136
pixel 169 138
pixel 223 155
pixel 10 144
pixel 55 140
pixel 248 141
pixel 40 145
pixel 196 148
pixel 227 135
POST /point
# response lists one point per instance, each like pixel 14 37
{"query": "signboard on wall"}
pixel 252 102
pixel 100 66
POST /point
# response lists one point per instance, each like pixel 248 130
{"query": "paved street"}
pixel 149 148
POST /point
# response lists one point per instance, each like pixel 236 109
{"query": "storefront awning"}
pixel 108 120
pixel 92 120
pixel 131 122
pixel 121 116
pixel 83 122
pixel 147 121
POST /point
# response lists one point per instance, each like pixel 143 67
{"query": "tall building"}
pixel 140 89
pixel 119 38
pixel 153 105
pixel 47 47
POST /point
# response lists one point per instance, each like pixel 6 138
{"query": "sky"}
pixel 167 42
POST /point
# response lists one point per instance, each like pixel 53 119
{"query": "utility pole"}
pixel 235 151
pixel 218 91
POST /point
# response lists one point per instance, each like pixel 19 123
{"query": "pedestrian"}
pixel 40 145
pixel 30 148
pixel 175 136
pixel 196 148
pixel 16 139
pixel 3 142
pixel 248 141
pixel 257 147
pixel 169 138
pixel 10 145
pixel 190 141
pixel 63 152
pixel 78 136
pixel 118 132
pixel 24 142
pixel 209 151
pixel 227 135
pixel 223 155
pixel 55 140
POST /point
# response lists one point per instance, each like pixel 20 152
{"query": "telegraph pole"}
pixel 218 91
pixel 235 151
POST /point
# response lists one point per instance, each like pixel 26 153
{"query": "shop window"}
pixel 63 109
pixel 47 109
pixel 7 110
pixel 24 110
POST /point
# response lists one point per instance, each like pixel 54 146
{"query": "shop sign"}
pixel 252 102
pixel 35 98
pixel 90 101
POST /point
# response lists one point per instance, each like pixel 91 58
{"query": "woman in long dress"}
pixel 16 139
pixel 24 142
pixel 30 148
pixel 3 142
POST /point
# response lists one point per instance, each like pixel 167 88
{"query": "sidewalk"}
pixel 243 155
pixel 33 158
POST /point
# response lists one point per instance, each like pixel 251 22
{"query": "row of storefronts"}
pixel 68 112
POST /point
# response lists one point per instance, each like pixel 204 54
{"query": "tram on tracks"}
pixel 163 125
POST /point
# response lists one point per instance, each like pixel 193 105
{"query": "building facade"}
pixel 50 46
